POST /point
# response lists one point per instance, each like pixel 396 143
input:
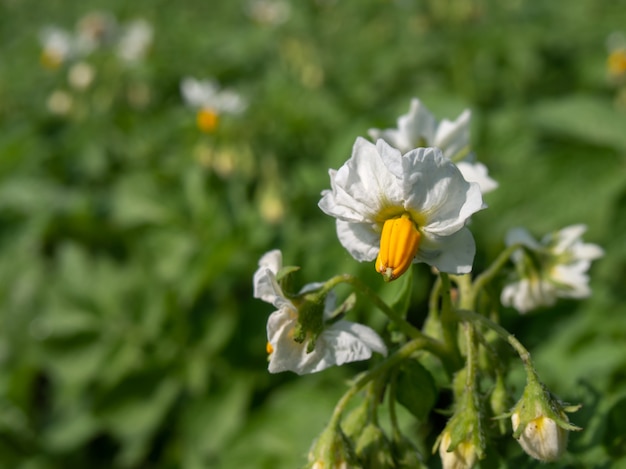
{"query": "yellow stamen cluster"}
pixel 207 120
pixel 399 243
pixel 269 349
pixel 616 62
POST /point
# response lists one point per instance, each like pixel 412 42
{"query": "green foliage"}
pixel 128 333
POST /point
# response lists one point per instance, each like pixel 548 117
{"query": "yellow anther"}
pixel 617 62
pixel 207 120
pixel 269 349
pixel 399 242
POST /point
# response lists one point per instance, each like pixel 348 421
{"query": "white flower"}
pixel 403 208
pixel 340 342
pixel 135 41
pixel 555 268
pixel 419 128
pixel 206 94
pixel 58 46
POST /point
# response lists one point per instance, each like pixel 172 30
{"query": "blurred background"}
pixel 131 223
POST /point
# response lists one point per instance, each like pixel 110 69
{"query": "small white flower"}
pixel 403 209
pixel 135 41
pixel 557 268
pixel 206 94
pixel 419 128
pixel 58 46
pixel 340 342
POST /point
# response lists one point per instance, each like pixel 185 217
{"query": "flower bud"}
pixel 542 438
pixel 373 448
pixel 463 456
pixel 540 423
pixel 332 450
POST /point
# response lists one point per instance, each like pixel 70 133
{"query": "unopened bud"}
pixel 332 450
pixel 542 438
pixel 463 456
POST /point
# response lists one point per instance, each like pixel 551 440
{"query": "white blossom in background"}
pixel 420 128
pixel 58 46
pixel 554 268
pixel 208 94
pixel 135 41
pixel 402 209
pixel 340 342
pixel 269 12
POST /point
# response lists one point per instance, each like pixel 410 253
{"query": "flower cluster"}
pixel 408 198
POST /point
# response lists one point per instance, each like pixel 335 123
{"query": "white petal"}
pixel 418 126
pixel 434 187
pixel 453 254
pixel 360 239
pixel 521 236
pixel 453 137
pixel 365 334
pixel 477 172
pixel 264 281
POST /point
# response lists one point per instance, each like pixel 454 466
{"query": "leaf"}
pixel 416 389
pixel 585 118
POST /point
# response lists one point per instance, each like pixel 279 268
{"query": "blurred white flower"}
pixel 60 103
pixel 403 209
pixel 210 101
pixel 81 75
pixel 208 94
pixel 419 128
pixel 340 341
pixel 135 41
pixel 269 12
pixel 58 46
pixel 554 268
pixel 94 30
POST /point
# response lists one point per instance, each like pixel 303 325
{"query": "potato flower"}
pixel 419 128
pixel 554 268
pixel 339 342
pixel 210 101
pixel 403 209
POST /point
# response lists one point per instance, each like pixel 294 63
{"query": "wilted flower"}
pixel 269 12
pixel 419 128
pixel 402 209
pixel 94 30
pixel 210 101
pixel 338 342
pixel 554 268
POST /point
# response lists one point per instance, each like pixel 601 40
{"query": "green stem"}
pixel 401 354
pixel 488 275
pixel 502 332
pixel 448 318
pixel 432 345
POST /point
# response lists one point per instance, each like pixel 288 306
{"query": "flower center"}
pixel 399 243
pixel 207 120
pixel 617 62
pixel 269 349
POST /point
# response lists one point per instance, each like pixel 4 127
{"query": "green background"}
pixel 129 337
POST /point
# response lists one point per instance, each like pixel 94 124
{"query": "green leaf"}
pixel 587 118
pixel 416 389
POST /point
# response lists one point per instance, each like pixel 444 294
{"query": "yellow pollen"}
pixel 399 243
pixel 269 349
pixel 207 120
